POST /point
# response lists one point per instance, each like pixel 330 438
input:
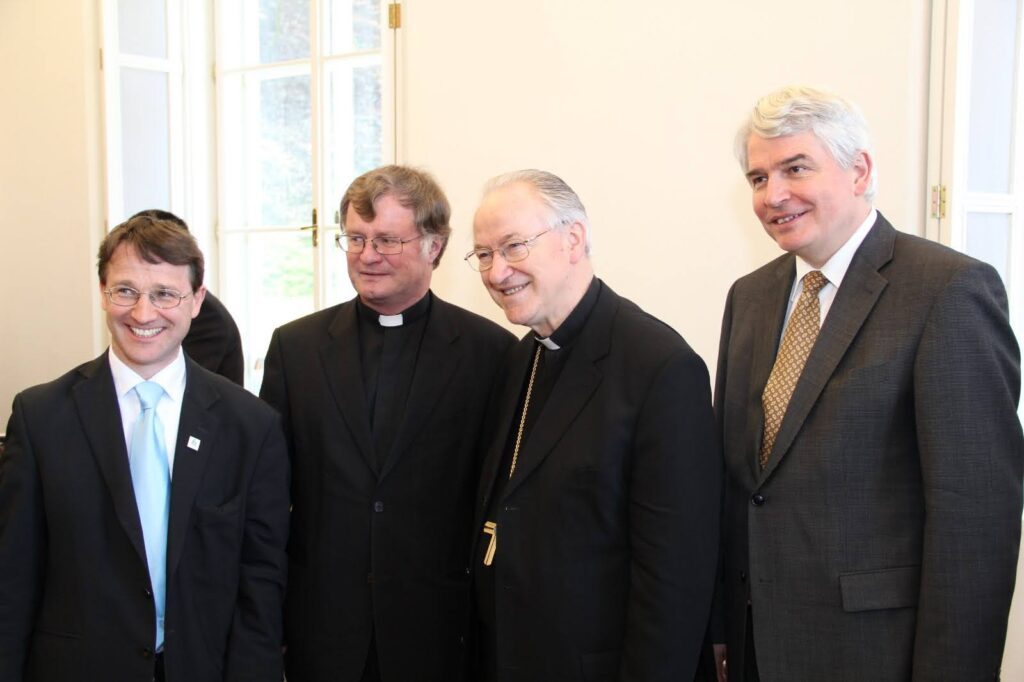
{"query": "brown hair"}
pixel 413 188
pixel 155 240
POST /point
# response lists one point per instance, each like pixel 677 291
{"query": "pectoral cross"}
pixel 491 528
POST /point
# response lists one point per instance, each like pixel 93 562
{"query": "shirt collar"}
pixel 413 312
pixel 573 325
pixel 171 378
pixel 836 266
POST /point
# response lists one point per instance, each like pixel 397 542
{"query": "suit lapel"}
pixel 505 404
pixel 579 379
pixel 199 422
pixel 96 401
pixel 435 366
pixel 861 287
pixel 340 358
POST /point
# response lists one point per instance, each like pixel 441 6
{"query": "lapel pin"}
pixel 193 443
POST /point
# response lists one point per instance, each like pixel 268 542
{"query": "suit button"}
pixel 757 499
pixel 146 653
pixel 743 576
pixel 148 592
pixel 378 506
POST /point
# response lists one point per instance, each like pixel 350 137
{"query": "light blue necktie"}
pixel 151 478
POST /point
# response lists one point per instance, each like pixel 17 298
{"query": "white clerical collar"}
pixel 390 320
pixel 547 343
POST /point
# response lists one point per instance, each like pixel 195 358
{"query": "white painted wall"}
pixel 634 104
pixel 51 192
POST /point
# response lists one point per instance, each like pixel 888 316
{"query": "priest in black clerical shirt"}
pixel 382 399
pixel 597 510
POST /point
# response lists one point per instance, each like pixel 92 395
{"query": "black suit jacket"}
pixel 607 533
pixel 881 541
pixel 380 552
pixel 213 341
pixel 74 584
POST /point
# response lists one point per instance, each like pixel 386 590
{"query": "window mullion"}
pixel 316 115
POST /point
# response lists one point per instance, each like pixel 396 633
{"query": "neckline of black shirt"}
pixel 388 357
pixel 410 314
pixel 549 369
pixel 570 329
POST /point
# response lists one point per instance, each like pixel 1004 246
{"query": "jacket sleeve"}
pixel 966 388
pixel 254 648
pixel 22 545
pixel 716 627
pixel 673 524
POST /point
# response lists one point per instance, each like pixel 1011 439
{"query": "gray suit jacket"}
pixel 881 541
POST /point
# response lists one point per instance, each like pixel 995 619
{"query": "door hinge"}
pixel 395 15
pixel 938 202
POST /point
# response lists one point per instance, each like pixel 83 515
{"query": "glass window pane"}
pixel 351 25
pixel 988 239
pixel 142 27
pixel 267 150
pixel 284 30
pixel 991 108
pixel 145 140
pixel 287 187
pixel 352 125
pixel 252 32
pixel 268 281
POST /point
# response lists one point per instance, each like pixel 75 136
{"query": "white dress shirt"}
pixel 171 378
pixel 834 270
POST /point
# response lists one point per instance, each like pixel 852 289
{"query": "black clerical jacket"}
pixel 380 549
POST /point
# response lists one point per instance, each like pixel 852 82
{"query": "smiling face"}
pixel 144 337
pixel 390 283
pixel 806 201
pixel 541 290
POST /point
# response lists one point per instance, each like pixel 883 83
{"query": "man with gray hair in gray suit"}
pixel 866 395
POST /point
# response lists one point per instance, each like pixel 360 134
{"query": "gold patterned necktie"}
pixel 801 333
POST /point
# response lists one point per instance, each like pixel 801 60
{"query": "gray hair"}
pixel 564 204
pixel 796 109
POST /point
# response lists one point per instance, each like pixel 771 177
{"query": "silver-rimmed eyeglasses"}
pixel 385 246
pixel 160 298
pixel 482 260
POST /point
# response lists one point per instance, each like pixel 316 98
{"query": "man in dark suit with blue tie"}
pixel 866 393
pixel 382 398
pixel 143 499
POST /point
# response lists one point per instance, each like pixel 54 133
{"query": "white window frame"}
pixel 190 116
pixel 950 201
